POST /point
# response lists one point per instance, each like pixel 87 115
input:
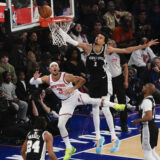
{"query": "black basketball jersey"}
pixel 95 63
pixel 36 146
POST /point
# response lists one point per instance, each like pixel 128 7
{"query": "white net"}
pixel 57 38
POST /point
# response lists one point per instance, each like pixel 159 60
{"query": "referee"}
pixel 118 68
pixel 149 133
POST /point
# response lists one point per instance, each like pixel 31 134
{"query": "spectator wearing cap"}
pixel 6 66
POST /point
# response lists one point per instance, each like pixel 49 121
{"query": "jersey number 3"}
pixel 33 146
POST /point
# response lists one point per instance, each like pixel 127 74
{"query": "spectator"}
pixel 74 64
pixel 154 17
pixel 78 34
pixel 134 89
pixel 22 88
pixel 139 58
pixel 9 89
pixel 34 46
pixel 47 45
pixel 112 17
pixel 44 64
pixel 5 66
pixel 18 56
pixel 40 107
pixel 142 26
pixel 123 35
pixel 138 7
pixel 120 5
pixel 152 75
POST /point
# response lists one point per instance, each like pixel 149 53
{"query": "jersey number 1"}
pixel 33 146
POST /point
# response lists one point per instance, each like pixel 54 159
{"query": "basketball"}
pixel 45 11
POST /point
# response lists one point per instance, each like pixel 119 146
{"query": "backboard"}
pixel 23 14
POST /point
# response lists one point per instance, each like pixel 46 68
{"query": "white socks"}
pixel 96 120
pixel 109 120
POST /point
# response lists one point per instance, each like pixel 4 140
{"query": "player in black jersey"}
pixel 100 80
pixel 149 133
pixel 37 142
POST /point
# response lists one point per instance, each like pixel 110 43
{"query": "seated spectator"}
pixel 142 26
pixel 152 75
pixel 123 35
pixel 34 46
pixel 139 58
pixel 78 34
pixel 40 108
pixel 9 90
pixel 134 88
pixel 22 89
pixel 74 64
pixel 112 17
pixel 6 66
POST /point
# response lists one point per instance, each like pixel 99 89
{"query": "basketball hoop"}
pixel 63 22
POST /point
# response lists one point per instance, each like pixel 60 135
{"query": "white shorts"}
pixel 78 98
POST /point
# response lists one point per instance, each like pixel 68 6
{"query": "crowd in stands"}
pixel 127 22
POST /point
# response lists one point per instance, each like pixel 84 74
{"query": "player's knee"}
pixel 61 125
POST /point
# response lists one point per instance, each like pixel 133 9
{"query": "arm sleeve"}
pixel 35 82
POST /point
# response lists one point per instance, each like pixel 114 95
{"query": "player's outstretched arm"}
pixel 131 49
pixel 36 80
pixel 23 150
pixel 85 46
pixel 49 145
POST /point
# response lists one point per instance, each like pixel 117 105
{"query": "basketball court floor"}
pixel 82 136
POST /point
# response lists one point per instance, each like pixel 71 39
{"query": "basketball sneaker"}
pixel 119 107
pixel 99 145
pixel 69 152
pixel 116 144
pixel 131 108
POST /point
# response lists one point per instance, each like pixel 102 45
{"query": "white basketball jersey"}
pixel 59 86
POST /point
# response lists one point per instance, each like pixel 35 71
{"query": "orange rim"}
pixel 44 22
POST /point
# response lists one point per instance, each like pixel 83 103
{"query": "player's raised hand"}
pixel 152 42
pixel 37 75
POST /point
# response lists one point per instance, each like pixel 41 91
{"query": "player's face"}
pixel 100 39
pixel 54 69
pixel 144 89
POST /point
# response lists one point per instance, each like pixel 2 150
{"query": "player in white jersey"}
pixel 61 85
pixel 149 133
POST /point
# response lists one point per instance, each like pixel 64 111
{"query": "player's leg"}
pixel 109 119
pixel 96 102
pixel 146 143
pixel 65 113
pixel 155 155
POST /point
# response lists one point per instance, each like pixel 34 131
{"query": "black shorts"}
pixel 98 87
pixel 149 136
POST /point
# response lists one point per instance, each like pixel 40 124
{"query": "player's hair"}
pixel 40 123
pixel 151 88
pixel 105 36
